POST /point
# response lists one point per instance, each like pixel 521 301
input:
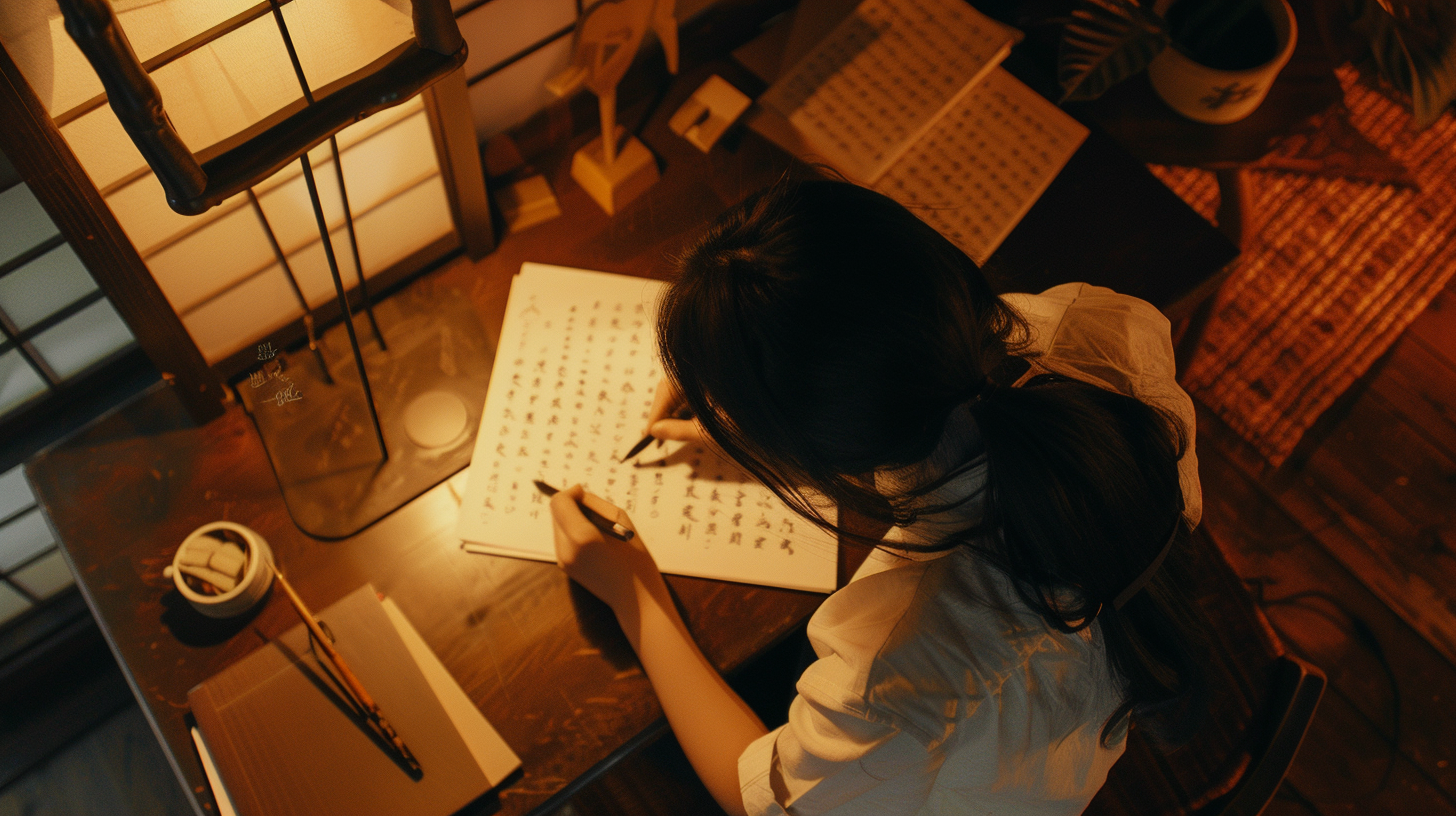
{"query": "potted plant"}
pixel 1223 57
pixel 1413 45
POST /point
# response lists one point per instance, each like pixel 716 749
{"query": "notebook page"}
pixel 572 385
pixel 878 80
pixel 981 167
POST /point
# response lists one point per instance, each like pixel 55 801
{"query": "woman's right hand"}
pixel 670 418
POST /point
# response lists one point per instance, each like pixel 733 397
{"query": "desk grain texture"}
pixel 545 662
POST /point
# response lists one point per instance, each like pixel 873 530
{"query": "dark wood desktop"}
pixel 544 661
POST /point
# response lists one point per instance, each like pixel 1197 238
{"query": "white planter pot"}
pixel 1215 96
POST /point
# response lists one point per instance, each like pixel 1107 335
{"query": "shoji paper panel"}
pixel 25 223
pixel 45 576
pixel 232 246
pixel 502 28
pixel 44 286
pixel 12 603
pixel 230 84
pixel 35 37
pixel 263 303
pixel 387 234
pixel 102 147
pixel 141 207
pixel 373 171
pixel 255 308
pixel 84 338
pixel 23 539
pixel 211 259
pixel 18 381
pixel 512 94
pixel 15 492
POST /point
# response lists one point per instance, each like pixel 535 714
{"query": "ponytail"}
pixel 1085 517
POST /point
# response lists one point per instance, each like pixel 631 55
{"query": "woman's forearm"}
pixel 711 722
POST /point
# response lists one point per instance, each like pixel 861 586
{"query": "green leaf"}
pixel 1414 46
pixel 1103 43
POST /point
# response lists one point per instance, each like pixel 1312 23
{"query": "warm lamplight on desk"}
pixel 545 663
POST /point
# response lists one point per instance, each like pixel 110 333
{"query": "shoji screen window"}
pixel 55 325
pixel 224 74
pixel 32 569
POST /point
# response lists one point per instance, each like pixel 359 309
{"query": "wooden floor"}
pixel 1351 546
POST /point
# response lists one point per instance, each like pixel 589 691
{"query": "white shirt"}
pixel 937 691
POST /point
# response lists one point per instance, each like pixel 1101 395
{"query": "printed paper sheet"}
pixel 878 81
pixel 981 167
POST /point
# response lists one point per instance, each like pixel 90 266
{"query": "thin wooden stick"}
pixel 369 708
pixel 607 107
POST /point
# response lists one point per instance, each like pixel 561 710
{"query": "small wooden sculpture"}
pixel 607 38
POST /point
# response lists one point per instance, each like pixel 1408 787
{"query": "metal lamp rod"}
pixel 323 228
pixel 308 323
pixel 354 244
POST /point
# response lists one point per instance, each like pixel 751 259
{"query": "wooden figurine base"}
pixel 613 186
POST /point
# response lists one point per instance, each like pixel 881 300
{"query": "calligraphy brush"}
pixel 367 706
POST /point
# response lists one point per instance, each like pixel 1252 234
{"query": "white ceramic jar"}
pixel 257 575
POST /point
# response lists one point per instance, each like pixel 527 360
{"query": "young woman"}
pixel 1032 456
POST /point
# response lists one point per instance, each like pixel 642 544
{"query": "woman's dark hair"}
pixel 821 332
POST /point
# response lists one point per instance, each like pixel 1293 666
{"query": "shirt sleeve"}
pixel 831 759
pixel 1117 342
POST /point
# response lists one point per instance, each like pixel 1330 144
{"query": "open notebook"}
pixel 275 737
pixel 907 96
pixel 569 393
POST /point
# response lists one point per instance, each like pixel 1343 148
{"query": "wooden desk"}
pixel 545 662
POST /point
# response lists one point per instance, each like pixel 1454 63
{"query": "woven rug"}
pixel 1333 270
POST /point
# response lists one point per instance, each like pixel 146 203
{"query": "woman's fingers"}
pixel 665 401
pixel 606 509
pixel 566 511
pixel 568 518
pixel 604 564
pixel 678 430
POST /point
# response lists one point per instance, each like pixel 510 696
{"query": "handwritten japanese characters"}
pixel 572 384
pixel 272 372
pixel 981 167
pixel 879 79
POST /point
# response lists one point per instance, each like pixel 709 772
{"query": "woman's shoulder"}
pixel 925 645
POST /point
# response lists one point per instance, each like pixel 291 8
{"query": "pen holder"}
pixel 223 569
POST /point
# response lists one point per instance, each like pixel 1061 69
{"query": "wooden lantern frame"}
pixel 194 185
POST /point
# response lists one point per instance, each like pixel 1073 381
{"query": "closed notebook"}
pixel 284 740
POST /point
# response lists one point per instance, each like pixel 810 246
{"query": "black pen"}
pixel 681 413
pixel 602 523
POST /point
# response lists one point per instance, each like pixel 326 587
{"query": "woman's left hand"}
pixel 607 566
